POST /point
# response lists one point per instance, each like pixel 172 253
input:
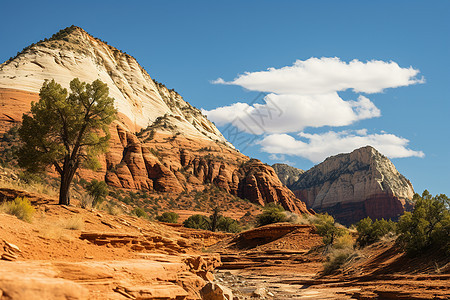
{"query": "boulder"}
pixel 215 291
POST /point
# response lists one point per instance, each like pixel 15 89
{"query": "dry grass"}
pixel 110 208
pixel 74 223
pixel 337 258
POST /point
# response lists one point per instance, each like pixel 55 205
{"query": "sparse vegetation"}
pixel 19 207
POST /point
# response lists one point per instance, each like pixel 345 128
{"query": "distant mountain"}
pixel 160 143
pixel 288 175
pixel 355 185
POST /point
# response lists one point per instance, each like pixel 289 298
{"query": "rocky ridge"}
pixel 287 174
pixel 355 185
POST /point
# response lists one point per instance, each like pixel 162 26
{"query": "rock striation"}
pixel 355 185
pixel 287 174
pixel 159 143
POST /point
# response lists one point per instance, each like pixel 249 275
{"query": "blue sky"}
pixel 189 44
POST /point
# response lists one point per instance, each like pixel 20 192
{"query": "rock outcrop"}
pixel 287 174
pixel 160 143
pixel 355 185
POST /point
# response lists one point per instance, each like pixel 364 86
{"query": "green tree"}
pixel 272 213
pixel 168 217
pixel 427 226
pixel 66 131
pixel 98 190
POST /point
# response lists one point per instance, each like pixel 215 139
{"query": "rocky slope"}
pixel 160 142
pixel 287 174
pixel 355 185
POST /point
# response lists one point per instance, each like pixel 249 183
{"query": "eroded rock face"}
pixel 175 163
pixel 356 185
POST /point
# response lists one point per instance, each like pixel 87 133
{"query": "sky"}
pixel 285 81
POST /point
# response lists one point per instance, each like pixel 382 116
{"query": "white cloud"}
pixel 317 147
pixel 292 113
pixel 327 75
pixel 306 94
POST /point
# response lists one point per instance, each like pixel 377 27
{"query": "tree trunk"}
pixel 64 197
pixel 68 172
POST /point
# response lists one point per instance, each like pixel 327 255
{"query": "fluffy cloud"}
pixel 317 147
pixel 326 75
pixel 306 94
pixel 292 113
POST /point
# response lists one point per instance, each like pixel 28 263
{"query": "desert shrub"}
pixel 427 226
pixel 344 241
pixel 328 229
pixel 228 225
pixel 168 217
pixel 272 213
pixel 19 207
pixel 336 259
pixel 139 212
pixel 370 232
pixel 98 190
pixel 197 222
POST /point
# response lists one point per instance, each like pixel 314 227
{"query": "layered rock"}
pixel 287 174
pixel 160 143
pixel 355 185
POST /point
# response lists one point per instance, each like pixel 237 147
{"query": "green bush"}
pixel 228 225
pixel 198 222
pixel 427 226
pixel 20 207
pixel 98 190
pixel 272 213
pixel 168 217
pixel 370 232
pixel 139 212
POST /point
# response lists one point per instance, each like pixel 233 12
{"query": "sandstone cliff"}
pixel 160 143
pixel 355 185
pixel 287 174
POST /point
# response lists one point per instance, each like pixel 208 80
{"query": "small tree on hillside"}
pixel 328 229
pixel 65 130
